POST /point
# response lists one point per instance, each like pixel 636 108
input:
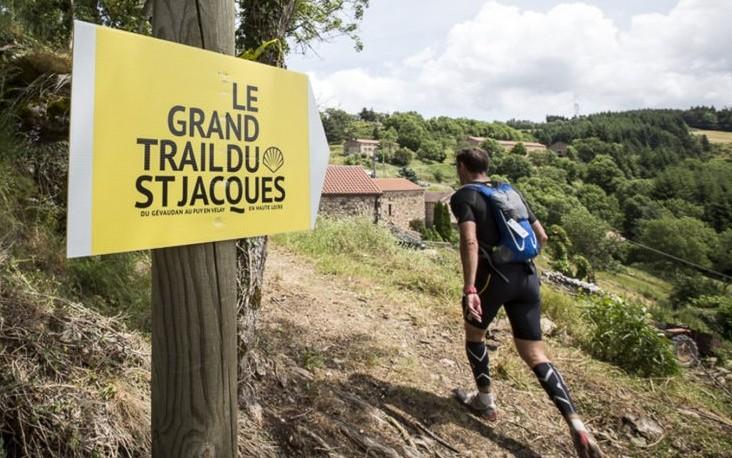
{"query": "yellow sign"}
pixel 174 145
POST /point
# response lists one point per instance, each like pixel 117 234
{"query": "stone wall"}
pixel 405 206
pixel 345 205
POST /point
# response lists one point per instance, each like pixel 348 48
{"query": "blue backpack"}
pixel 518 241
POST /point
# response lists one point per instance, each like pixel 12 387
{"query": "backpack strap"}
pixel 486 191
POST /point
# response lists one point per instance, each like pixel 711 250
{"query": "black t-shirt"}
pixel 470 205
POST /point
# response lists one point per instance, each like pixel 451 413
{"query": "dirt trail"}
pixel 346 367
pixel 357 370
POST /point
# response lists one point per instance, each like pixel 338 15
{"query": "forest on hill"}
pixel 633 188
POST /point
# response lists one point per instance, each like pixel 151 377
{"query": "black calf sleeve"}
pixel 554 386
pixel 478 358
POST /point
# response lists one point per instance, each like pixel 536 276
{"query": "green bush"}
pixel 402 157
pixel 409 174
pixel 418 225
pixel 621 333
pixel 583 269
pixel 689 286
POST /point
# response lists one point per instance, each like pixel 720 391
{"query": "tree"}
pixel 368 115
pixel 402 157
pixel 337 124
pixel 492 147
pixel 589 236
pixel 637 208
pixel 604 172
pixel 431 150
pixel 51 21
pixel 443 226
pixel 411 129
pixel 388 139
pixel 514 167
pixel 686 238
pixel 600 204
pixel 558 249
pixel 296 23
pixel 723 257
pixel 519 149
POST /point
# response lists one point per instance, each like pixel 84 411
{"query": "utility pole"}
pixel 194 294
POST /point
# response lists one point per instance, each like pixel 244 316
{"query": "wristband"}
pixel 470 290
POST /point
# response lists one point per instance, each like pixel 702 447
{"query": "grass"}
pixel 635 284
pixel 715 136
pixel 354 247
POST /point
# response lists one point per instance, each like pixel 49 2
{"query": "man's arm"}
pixel 540 233
pixel 469 258
pixel 468 253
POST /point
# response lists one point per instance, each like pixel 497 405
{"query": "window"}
pixel 389 209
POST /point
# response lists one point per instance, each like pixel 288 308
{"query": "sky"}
pixel 524 59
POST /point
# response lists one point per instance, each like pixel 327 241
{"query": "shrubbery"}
pixel 621 333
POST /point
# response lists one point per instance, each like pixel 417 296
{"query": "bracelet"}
pixel 470 290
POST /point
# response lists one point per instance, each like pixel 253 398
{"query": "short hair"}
pixel 475 159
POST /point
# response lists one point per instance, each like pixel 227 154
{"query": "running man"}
pixel 489 285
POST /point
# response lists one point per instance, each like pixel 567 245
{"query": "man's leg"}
pixel 478 356
pixel 481 401
pixel 532 352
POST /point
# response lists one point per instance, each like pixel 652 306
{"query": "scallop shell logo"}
pixel 273 159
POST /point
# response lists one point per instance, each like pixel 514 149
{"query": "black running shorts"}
pixel 520 296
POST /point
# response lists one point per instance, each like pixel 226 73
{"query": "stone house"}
pixel 360 146
pixel 430 201
pixel 560 148
pixel 401 201
pixel 349 191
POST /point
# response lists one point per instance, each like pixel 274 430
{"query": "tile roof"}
pixel 348 179
pixel 396 184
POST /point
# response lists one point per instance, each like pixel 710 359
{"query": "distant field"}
pixel 715 136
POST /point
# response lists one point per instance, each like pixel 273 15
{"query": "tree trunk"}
pixel 263 20
pixel 194 352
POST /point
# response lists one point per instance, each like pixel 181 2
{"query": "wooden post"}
pixel 194 294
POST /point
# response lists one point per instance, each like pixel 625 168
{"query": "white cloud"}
pixel 508 62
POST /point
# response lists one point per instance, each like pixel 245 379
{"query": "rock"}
pixel 689 413
pixel 255 413
pixel 303 373
pixel 729 378
pixel 723 371
pixel 710 362
pixel 644 426
pixel 638 441
pixel 548 328
pixel 447 362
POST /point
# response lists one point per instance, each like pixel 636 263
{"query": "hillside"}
pixel 348 364
pixel 367 366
